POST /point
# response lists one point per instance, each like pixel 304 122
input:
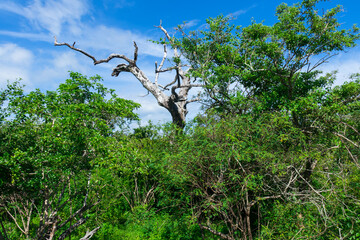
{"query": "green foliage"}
pixel 273 64
pixel 234 168
pixel 241 175
pixel 276 156
pixel 224 161
pixel 146 224
pixel 47 138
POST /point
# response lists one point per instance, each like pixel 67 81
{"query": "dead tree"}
pixel 177 99
pixel 20 210
pixel 53 222
pixel 54 219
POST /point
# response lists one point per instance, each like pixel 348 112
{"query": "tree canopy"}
pixel 276 64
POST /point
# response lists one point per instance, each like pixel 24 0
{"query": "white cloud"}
pixel 101 39
pixel 65 61
pixel 11 7
pixel 11 53
pixel 50 14
pixel 345 63
pixel 55 15
pixel 148 104
pixel 15 62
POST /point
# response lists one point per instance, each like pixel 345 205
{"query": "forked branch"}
pixel 111 56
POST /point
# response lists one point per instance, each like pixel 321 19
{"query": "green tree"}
pixel 274 64
pixel 286 139
pixel 48 151
pixel 261 176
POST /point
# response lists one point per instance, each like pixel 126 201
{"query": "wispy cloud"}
pixel 28 36
pixel 238 13
pixel 118 3
pixel 10 6
pixel 54 15
pixel 192 23
pixel 50 14
pixel 241 11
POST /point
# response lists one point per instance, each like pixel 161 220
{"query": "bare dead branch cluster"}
pixel 21 210
pixel 176 102
pixel 54 202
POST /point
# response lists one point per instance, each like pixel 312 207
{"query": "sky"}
pixel 102 27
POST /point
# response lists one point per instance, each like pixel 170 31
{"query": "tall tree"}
pixel 277 63
pixel 269 68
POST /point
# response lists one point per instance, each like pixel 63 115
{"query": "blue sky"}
pixel 102 27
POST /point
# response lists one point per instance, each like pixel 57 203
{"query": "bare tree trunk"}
pixel 174 102
pixel 178 115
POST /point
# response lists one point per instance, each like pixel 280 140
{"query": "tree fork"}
pixel 175 102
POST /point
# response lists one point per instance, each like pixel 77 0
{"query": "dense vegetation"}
pixel 275 154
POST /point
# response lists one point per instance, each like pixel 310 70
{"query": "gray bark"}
pixel 175 102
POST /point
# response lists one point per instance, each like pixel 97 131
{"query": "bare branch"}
pixel 339 135
pixel 351 127
pixel 23 208
pixel 166 69
pixel 165 32
pixel 193 100
pixel 354 158
pixel 175 103
pixel 168 85
pixel 74 48
pixel 135 52
pixel 222 235
pixel 111 56
pixel 158 69
pixel 75 225
pixel 315 191
pixel 78 212
pixel 89 235
pixel 321 61
pixel 145 94
pixel 169 38
pixel 189 86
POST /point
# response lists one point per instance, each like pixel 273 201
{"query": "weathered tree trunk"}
pixel 175 102
pixel 178 113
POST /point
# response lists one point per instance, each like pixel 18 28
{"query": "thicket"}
pixel 275 155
